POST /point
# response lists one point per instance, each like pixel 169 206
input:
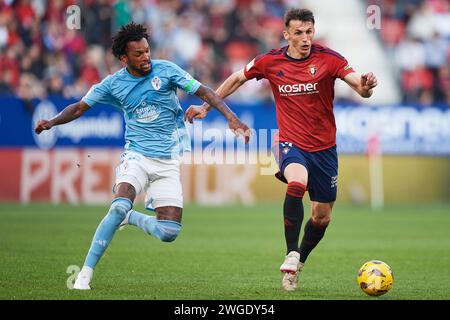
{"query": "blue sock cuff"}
pixel 121 199
pixel 168 222
pixel 167 230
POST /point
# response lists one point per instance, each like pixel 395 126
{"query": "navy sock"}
pixel 293 214
pixel 312 236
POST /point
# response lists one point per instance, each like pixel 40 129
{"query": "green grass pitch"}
pixel 231 252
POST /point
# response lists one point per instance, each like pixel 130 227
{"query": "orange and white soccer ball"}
pixel 375 278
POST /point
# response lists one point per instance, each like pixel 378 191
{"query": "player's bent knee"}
pixel 125 190
pixel 167 230
pixel 321 222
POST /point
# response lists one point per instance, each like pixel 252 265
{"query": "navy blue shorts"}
pixel 322 167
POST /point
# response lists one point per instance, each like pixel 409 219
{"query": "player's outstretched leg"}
pixel 166 229
pixel 293 218
pixel 102 237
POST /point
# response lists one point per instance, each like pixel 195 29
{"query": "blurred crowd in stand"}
pixel 41 56
pixel 417 35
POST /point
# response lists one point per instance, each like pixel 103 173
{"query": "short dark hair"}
pixel 298 14
pixel 127 33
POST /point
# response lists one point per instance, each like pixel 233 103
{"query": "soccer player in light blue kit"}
pixel 146 92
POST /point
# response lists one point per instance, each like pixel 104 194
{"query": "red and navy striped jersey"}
pixel 304 93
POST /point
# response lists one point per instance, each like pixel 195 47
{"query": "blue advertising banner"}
pixel 401 130
pixel 102 126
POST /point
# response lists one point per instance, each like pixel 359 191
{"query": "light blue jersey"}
pixel 153 116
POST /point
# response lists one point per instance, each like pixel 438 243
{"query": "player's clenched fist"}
pixel 42 125
pixel 368 81
pixel 195 112
pixel 240 129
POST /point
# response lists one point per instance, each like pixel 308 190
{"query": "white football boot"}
pixel 291 268
pixel 84 278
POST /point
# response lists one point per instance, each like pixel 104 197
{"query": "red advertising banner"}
pixel 82 175
pixel 62 175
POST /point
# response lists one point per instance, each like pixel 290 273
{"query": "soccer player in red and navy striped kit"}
pixel 302 77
